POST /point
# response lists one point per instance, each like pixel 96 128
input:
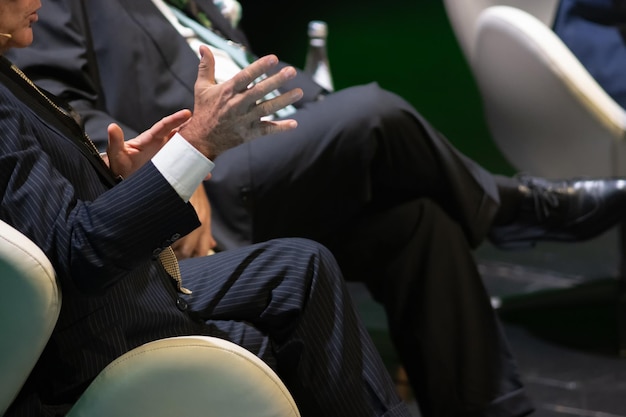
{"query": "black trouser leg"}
pixel 420 267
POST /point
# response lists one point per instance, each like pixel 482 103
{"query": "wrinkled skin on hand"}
pixel 227 114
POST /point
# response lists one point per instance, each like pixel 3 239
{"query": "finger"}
pixel 267 127
pixel 115 147
pixel 269 84
pixel 212 243
pixel 116 139
pixel 206 68
pixel 164 126
pixel 202 245
pixel 245 77
pixel 183 248
pixel 261 89
pixel 272 105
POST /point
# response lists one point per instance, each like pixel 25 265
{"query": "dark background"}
pixel 406 46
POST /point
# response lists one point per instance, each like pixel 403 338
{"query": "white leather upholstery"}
pixel 187 377
pixel 180 376
pixel 29 307
pixel 463 15
pixel 545 112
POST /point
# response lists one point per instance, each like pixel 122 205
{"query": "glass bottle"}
pixel 316 62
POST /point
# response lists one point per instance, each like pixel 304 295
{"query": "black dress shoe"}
pixel 564 211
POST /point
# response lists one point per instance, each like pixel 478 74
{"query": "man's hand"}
pixel 199 242
pixel 227 114
pixel 125 157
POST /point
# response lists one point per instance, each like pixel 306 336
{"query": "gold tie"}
pixel 170 264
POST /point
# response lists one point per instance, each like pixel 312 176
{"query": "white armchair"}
pixel 30 302
pixel 182 376
pixel 545 112
pixel 463 15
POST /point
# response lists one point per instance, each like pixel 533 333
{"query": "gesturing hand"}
pixel 124 158
pixel 227 114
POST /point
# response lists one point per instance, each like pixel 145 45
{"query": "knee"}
pixel 375 104
pixel 438 222
pixel 297 250
pixel 312 257
pixel 377 120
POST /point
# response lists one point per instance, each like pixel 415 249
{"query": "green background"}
pixel 408 47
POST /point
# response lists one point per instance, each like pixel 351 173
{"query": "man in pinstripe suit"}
pixel 105 227
pixel 364 174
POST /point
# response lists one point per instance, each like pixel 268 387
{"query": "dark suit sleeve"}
pixel 61 60
pixel 91 232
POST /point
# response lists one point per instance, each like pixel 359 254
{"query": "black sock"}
pixel 511 198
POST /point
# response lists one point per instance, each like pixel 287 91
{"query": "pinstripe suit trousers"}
pixel 285 300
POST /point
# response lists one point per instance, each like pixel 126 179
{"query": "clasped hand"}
pixel 225 115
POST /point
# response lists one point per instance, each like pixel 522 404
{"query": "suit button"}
pixel 244 195
pixel 181 304
pixel 156 253
pixel 175 237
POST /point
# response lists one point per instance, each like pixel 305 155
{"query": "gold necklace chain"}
pixel 62 111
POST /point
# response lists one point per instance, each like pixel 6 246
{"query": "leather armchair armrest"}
pixel 30 302
pixel 186 377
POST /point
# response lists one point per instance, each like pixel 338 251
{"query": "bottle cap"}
pixel 317 29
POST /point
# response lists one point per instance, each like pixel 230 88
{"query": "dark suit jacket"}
pixel 595 31
pixel 139 54
pixel 97 235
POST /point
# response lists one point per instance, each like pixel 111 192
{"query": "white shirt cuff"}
pixel 182 165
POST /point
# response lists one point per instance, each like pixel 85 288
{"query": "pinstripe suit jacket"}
pixel 98 235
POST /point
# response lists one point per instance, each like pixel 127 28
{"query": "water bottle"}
pixel 316 63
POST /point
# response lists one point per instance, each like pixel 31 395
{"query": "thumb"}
pixel 116 139
pixel 206 69
pixel 115 146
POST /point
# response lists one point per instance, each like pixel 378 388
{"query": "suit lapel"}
pixel 174 49
pixel 67 129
